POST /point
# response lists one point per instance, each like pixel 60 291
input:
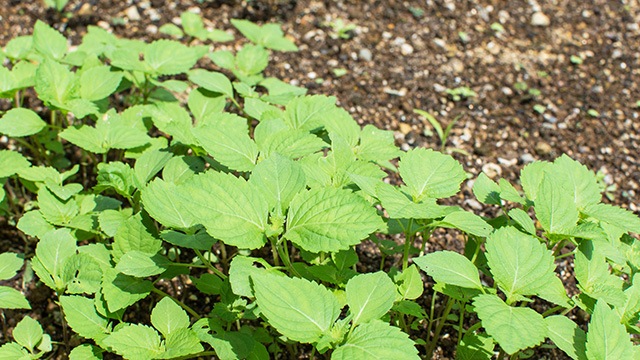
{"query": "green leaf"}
pixel 19 47
pixel 169 57
pixel 523 219
pixel 279 180
pixel 280 92
pixel 82 316
pixel 19 122
pixel 230 208
pixel 33 224
pixel 486 191
pixel 330 219
pixel 12 162
pixel 10 263
pixel 376 340
pixel 520 264
pixel 55 84
pixel 173 119
pixel 192 24
pixel 451 268
pixel 428 173
pixel 376 145
pixel 307 112
pixel 567 336
pixel 87 270
pixel 167 317
pixel 171 30
pixel 48 41
pixel 555 208
pixel 203 102
pixel 223 58
pixel 149 164
pixel 181 168
pixel 120 290
pixel 242 270
pixel 268 35
pixel 607 339
pixel 12 299
pixel 13 351
pixel 28 333
pixel 475 346
pixel 137 233
pixel 370 296
pixel 200 240
pixel 226 138
pixel 252 59
pixel 53 250
pixel 85 352
pixel 212 81
pixel 299 309
pixel 531 177
pixel 290 143
pixel 514 328
pixel 141 264
pixel 593 276
pixel 615 216
pixel 467 222
pixel 116 175
pixel 209 284
pixel 577 180
pixel 136 342
pixel 162 200
pixel 341 123
pixel 410 284
pixel 398 205
pixel 99 82
pixel 182 342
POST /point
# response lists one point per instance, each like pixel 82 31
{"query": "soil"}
pixel 404 55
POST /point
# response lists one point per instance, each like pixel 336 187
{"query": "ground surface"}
pixel 405 54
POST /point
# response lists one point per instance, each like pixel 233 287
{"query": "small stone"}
pixel 153 14
pixel 103 24
pixel 309 35
pixel 550 118
pixel 543 149
pixel 616 54
pixel 527 158
pixel 365 54
pixel 404 128
pixel 152 29
pixel 540 19
pixel 507 162
pixel 457 66
pixel 492 170
pixel 406 49
pixel 85 10
pixel 439 88
pixel 507 91
pixel 439 43
pixel 473 204
pixel 390 91
pixel 312 75
pixel 132 13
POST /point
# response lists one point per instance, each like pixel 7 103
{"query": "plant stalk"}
pixel 208 264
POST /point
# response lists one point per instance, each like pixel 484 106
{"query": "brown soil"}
pixel 404 55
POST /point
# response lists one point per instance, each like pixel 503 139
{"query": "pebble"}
pixel 103 24
pixel 540 19
pixel 404 128
pixel 542 148
pixel 86 10
pixel 152 29
pixel 457 66
pixel 507 91
pixel 527 158
pixel 507 162
pixel 492 170
pixel 439 42
pixel 365 54
pixel 312 75
pixel 406 49
pixel 439 88
pixel 153 14
pixel 390 91
pixel 616 54
pixel 473 204
pixel 550 118
pixel 132 13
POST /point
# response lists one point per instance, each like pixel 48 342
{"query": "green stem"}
pixel 284 255
pixel 425 239
pixel 193 356
pixel 461 323
pixel 182 305
pixel 208 264
pixel 408 242
pixel 474 327
pixel 190 265
pixel 559 247
pixel 441 322
pixel 223 256
pixel 501 354
pixel 431 313
pixel 274 251
pixel 65 331
pixel 565 255
pixel 551 311
pixel 16 99
pixel 505 213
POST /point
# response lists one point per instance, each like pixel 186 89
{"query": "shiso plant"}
pixel 254 196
